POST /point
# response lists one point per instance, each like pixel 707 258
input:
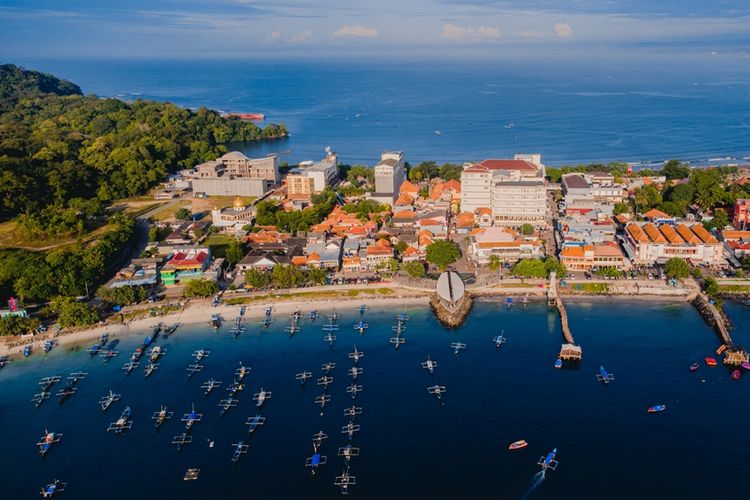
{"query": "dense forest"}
pixel 60 149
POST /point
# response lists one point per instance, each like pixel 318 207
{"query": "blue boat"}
pixel 27 351
pixel 48 345
pixel 362 309
pixel 558 363
pixel 147 341
pixel 509 302
pixel 314 314
pixel 604 377
pixel 104 339
pixel 657 408
pixel 56 487
pixel 549 461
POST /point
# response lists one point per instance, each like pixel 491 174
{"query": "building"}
pixel 185 263
pixel 592 257
pixel 140 272
pixel 590 229
pixel 390 173
pixel 503 242
pixel 585 192
pixel 741 216
pixel 738 242
pixel 234 174
pixel 313 177
pixel 513 190
pixel 237 215
pixel 651 244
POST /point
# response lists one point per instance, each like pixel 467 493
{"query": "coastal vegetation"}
pixel 677 268
pixel 17 325
pixel 538 268
pixel 427 170
pixel 123 295
pixel 269 214
pixel 71 312
pixel 200 288
pixel 415 269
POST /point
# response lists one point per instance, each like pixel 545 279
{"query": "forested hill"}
pixel 60 150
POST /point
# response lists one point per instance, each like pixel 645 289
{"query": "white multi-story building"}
pixel 313 177
pixel 648 244
pixel 514 190
pixel 390 173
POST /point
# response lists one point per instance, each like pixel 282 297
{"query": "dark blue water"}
pixel 411 446
pixel 569 111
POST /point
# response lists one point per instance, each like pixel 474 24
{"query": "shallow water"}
pixel 411 445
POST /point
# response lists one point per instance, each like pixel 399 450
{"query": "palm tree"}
pixel 494 263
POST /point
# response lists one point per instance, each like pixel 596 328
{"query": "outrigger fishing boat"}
pixel 345 481
pixel 161 416
pixel 500 340
pixel 437 391
pixel 710 362
pixel 322 401
pixel 558 363
pixel 108 354
pixel 353 389
pixel 429 365
pixel 48 345
pixel 736 375
pixel 517 445
pixel 362 309
pixel 193 369
pixel 239 449
pixel 227 404
pixel 191 418
pixel 260 397
pixel 46 442
pixel 397 341
pixel 200 355
pixel 354 372
pixel 356 355
pixel 242 372
pixel 361 327
pixel 191 475
pixel 325 381
pixel 333 317
pixel 349 429
pixel 108 399
pixel 234 388
pixel 75 377
pixel 313 315
pixel 53 488
pixel 327 367
pixel 4 361
pixel 253 423
pixel 509 302
pixel 209 386
pixel 352 411
pixel 548 462
pixel 122 424
pixel 318 439
pixel 181 440
pixel 457 347
pixel 156 353
pixel 746 365
pixel 315 461
pixel 303 377
pixel 150 368
pixel 94 350
pixel 330 339
pixel 170 330
pixel 292 329
pixel 604 377
pixel 694 367
pixel 348 452
pixel 215 321
pixel 47 382
pixel 38 399
pixel 104 339
pixel 130 366
pixel 66 393
pixel 27 349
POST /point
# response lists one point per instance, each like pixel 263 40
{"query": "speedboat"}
pixel 735 375
pixel 745 365
pixel 722 348
pixel 518 445
pixel 657 408
pixel 155 353
pixel 694 367
pixel 710 361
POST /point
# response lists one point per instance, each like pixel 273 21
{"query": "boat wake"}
pixel 535 482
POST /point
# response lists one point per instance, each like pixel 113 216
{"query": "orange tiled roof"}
pixel 408 187
pixel 637 233
pixel 483 211
pixel 569 252
pixel 299 260
pixel 671 235
pixel 607 251
pixel 404 199
pixel 452 185
pixel 736 235
pixel 688 235
pixel 703 234
pixel 410 250
pixel 653 233
pixel 656 214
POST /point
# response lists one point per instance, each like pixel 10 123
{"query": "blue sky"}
pixel 247 28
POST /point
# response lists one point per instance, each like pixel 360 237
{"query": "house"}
pixel 741 213
pixel 738 242
pixel 185 263
pixel 592 257
pixel 411 254
pixel 405 202
pixel 140 272
pixel 659 217
pixel 647 243
pixel 464 222
pixel 260 260
pixel 410 189
pixel 483 216
pixel 379 252
pixel 503 242
pixel 352 265
pixel 325 255
pixel 592 228
pixel 187 232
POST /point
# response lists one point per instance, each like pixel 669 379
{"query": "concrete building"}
pixel 185 263
pixel 585 192
pixel 390 173
pixel 503 242
pixel 514 190
pixel 651 244
pixel 313 177
pixel 592 257
pixel 237 215
pixel 741 215
pixel 234 174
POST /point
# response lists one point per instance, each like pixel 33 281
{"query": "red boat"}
pixel 710 361
pixel 735 375
pixel 258 117
pixel 518 445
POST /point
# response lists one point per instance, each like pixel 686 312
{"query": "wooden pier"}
pixel 569 351
pixel 733 355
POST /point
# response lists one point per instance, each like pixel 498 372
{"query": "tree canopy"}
pixel 200 288
pixel 677 268
pixel 443 253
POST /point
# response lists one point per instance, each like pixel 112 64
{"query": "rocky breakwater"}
pixel 450 302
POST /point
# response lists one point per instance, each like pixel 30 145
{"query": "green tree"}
pixel 70 312
pixel 392 265
pixel 17 325
pixel 494 263
pixel 442 253
pixel 530 268
pixel 124 295
pixel 200 288
pixel 527 229
pixel 552 264
pixel 719 221
pixel 647 198
pixel 707 186
pixel 677 268
pixel 287 276
pixel 316 276
pixel 401 246
pixel 621 208
pixel 415 269
pixel 234 252
pixel 182 214
pixel 711 287
pixel 258 279
pixel 674 169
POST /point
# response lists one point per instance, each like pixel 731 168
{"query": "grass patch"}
pixel 734 289
pixel 218 244
pixel 10 238
pixel 591 288
pixel 307 296
pixel 168 212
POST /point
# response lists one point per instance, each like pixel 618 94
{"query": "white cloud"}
pixel 563 30
pixel 455 32
pixel 278 37
pixel 356 30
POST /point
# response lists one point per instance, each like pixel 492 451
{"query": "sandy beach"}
pixel 200 311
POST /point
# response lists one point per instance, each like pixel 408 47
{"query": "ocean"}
pixel 571 112
pixel 411 445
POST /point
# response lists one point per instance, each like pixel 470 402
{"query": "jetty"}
pixel 569 351
pixel 450 303
pixel 734 355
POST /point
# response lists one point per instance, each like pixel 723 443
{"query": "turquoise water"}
pixel 570 111
pixel 411 445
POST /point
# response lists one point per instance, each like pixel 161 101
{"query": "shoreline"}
pixel 200 312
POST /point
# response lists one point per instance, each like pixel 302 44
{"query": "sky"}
pixel 385 28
